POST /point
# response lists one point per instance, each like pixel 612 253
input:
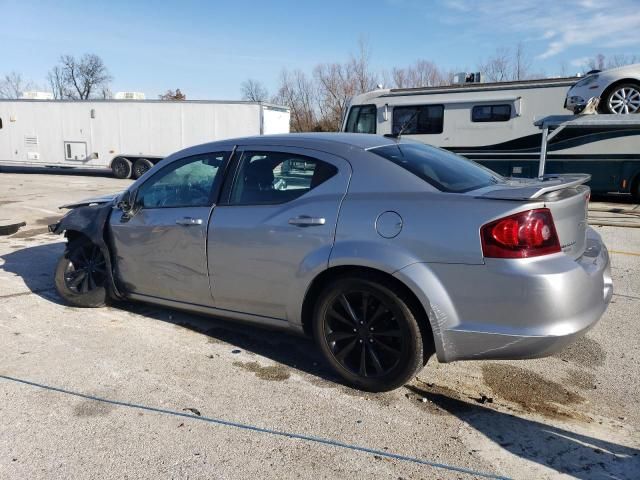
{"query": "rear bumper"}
pixel 510 309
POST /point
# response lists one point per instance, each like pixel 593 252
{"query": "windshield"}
pixel 444 170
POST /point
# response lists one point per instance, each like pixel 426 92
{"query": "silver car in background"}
pixel 384 250
pixel 617 88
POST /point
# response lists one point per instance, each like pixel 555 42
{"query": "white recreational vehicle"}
pixel 127 136
pixel 493 124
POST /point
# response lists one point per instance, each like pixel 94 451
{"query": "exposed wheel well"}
pixel 74 235
pixel 322 280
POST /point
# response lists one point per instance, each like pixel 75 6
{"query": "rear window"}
pixel 444 170
pixel 362 119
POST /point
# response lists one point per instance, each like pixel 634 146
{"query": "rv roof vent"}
pixel 464 77
pixel 129 96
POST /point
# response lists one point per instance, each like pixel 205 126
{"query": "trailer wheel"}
pixel 141 166
pixel 121 167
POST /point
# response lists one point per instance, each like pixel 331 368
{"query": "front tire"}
pixel 368 334
pixel 81 275
pixel 623 99
pixel 121 168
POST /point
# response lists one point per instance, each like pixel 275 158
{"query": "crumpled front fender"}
pixel 92 222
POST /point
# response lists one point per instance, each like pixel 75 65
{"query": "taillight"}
pixel 523 235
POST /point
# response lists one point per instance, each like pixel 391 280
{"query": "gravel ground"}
pixel 189 390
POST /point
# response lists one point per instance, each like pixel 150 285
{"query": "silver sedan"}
pixel 384 250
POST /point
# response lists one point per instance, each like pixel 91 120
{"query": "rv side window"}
pixel 362 119
pixel 418 119
pixel 0 123
pixel 491 113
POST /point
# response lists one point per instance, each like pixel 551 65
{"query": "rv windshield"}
pixel 362 119
pixel 444 170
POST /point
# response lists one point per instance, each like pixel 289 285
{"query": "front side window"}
pixel 184 183
pixel 267 178
pixel 418 119
pixel 491 113
pixel 362 119
pixel 444 170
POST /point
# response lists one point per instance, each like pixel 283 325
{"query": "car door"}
pixel 276 221
pixel 161 249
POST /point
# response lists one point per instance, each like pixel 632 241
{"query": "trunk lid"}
pixel 565 196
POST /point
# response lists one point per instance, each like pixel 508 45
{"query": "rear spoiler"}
pixel 530 189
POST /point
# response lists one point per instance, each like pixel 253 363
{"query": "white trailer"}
pixel 125 136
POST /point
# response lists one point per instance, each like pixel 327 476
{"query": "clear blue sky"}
pixel 208 48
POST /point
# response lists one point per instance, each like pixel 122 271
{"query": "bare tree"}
pixel 596 63
pixel 173 95
pixel 423 73
pixel 497 67
pixel 79 78
pixel 298 93
pixel 57 83
pixel 12 85
pixel 622 60
pixel 521 63
pixel 253 91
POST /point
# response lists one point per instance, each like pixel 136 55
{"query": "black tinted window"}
pixel 491 113
pixel 418 119
pixel 183 183
pixel 362 119
pixel 444 170
pixel 275 177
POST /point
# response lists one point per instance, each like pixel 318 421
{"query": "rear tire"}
pixel 81 276
pixel 368 333
pixel 121 168
pixel 141 166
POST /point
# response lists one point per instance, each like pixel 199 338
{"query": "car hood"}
pixel 109 198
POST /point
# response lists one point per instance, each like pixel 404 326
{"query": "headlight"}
pixel 587 80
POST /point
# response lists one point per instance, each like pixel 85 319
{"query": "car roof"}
pixel 318 140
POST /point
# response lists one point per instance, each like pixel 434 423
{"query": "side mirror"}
pixel 125 202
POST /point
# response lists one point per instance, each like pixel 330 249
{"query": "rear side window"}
pixel 491 113
pixel 269 178
pixel 362 119
pixel 444 170
pixel 418 119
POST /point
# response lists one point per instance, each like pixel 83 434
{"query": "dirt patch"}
pixel 586 352
pixel 30 233
pixel 7 202
pixel 581 379
pixel 530 391
pixel 274 373
pixel 48 220
pixel 90 408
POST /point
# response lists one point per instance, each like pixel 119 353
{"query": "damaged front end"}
pixel 90 219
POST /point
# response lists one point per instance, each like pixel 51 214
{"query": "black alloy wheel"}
pixel 369 334
pixel 86 269
pixel 363 333
pixel 81 275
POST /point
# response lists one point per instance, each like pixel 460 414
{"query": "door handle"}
pixel 189 221
pixel 306 221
